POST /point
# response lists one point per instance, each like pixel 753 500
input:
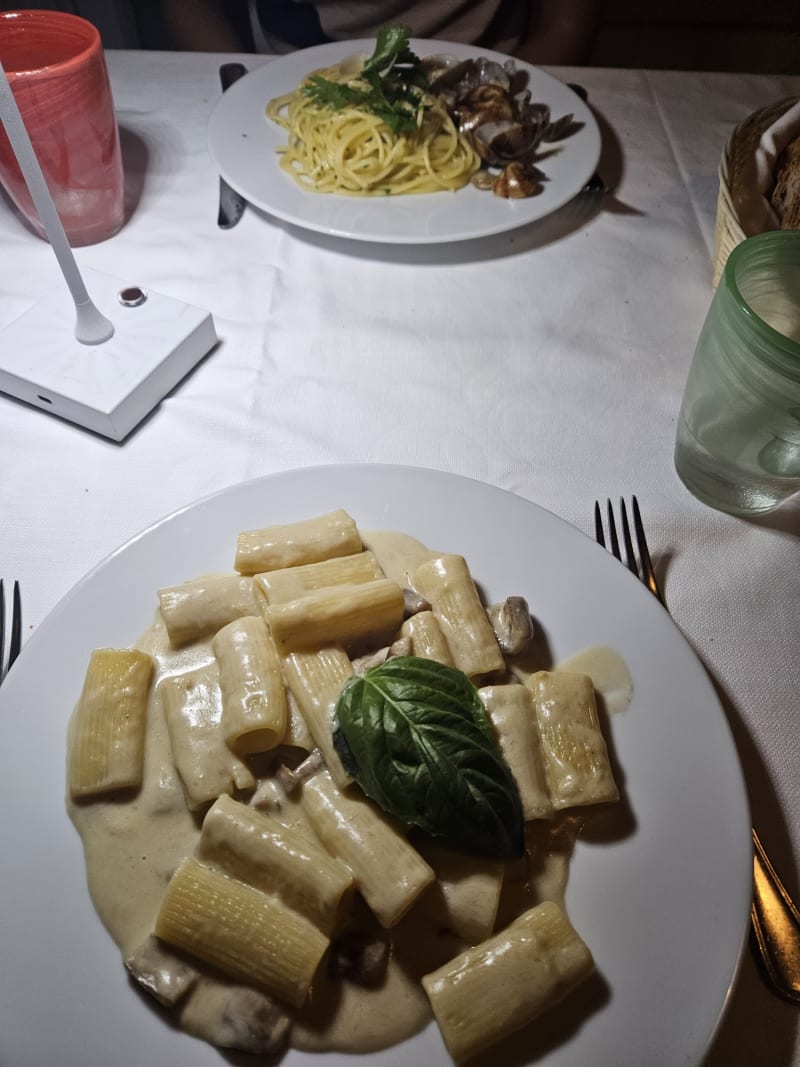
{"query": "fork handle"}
pixel 776 926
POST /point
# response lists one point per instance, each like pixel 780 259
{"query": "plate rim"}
pixel 326 54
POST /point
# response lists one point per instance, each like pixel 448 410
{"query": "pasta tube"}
pixel 277 587
pixel 512 714
pixel 388 872
pixel 427 639
pixel 108 729
pixel 315 680
pixel 342 616
pixel 309 541
pixel 258 850
pixel 466 894
pixel 576 763
pixel 297 733
pixel 254 709
pixel 447 585
pixel 201 607
pixel 248 935
pixel 501 985
pixel 193 711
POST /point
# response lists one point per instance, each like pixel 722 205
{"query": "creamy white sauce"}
pixel 133 845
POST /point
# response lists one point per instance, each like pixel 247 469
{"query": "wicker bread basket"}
pixel 733 171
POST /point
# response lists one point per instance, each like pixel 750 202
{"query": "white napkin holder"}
pixel 109 387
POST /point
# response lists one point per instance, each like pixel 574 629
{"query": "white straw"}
pixel 91 326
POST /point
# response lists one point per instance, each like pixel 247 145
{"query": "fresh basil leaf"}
pixel 416 738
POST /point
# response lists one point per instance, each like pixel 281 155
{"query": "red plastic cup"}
pixel 57 70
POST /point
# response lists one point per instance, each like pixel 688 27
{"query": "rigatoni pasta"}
pixel 315 679
pixel 503 983
pixel 192 706
pixel 258 850
pixel 293 544
pixel 512 713
pixel 343 615
pixel 387 870
pixel 254 708
pixel 466 894
pixel 446 582
pixel 197 608
pixel 249 935
pixel 576 763
pixel 107 743
pixel 427 639
pixel 289 583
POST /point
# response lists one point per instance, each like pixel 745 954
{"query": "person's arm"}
pixel 201 26
pixel 560 32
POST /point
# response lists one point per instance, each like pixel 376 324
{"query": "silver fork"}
pixel 774 916
pixel 15 641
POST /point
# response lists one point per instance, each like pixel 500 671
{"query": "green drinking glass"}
pixel 738 440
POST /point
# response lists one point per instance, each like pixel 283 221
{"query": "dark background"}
pixel 757 36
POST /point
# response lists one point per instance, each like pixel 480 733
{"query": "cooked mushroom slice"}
pixel 413 603
pixel 161 972
pixel 359 957
pixel 400 647
pixel 512 624
pixel 236 1016
pixel 517 180
pixel 292 779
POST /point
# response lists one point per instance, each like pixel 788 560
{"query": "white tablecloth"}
pixel 549 361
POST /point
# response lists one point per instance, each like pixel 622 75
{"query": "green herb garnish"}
pixel 415 736
pixel 394 83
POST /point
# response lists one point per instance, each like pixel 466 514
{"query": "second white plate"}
pixel 243 143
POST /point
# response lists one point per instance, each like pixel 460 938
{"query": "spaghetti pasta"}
pixel 352 152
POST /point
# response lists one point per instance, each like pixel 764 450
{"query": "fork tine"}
pixel 599 535
pixel 16 626
pixel 630 558
pixel 644 554
pixel 612 531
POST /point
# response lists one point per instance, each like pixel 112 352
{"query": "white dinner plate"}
pixel 660 891
pixel 243 143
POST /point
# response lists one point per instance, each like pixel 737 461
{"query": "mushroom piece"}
pixel 400 647
pixel 413 603
pixel 517 180
pixel 512 624
pixel 160 971
pixel 291 779
pixel 237 1017
pixel 359 957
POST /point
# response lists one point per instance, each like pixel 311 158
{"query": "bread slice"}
pixel 785 196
